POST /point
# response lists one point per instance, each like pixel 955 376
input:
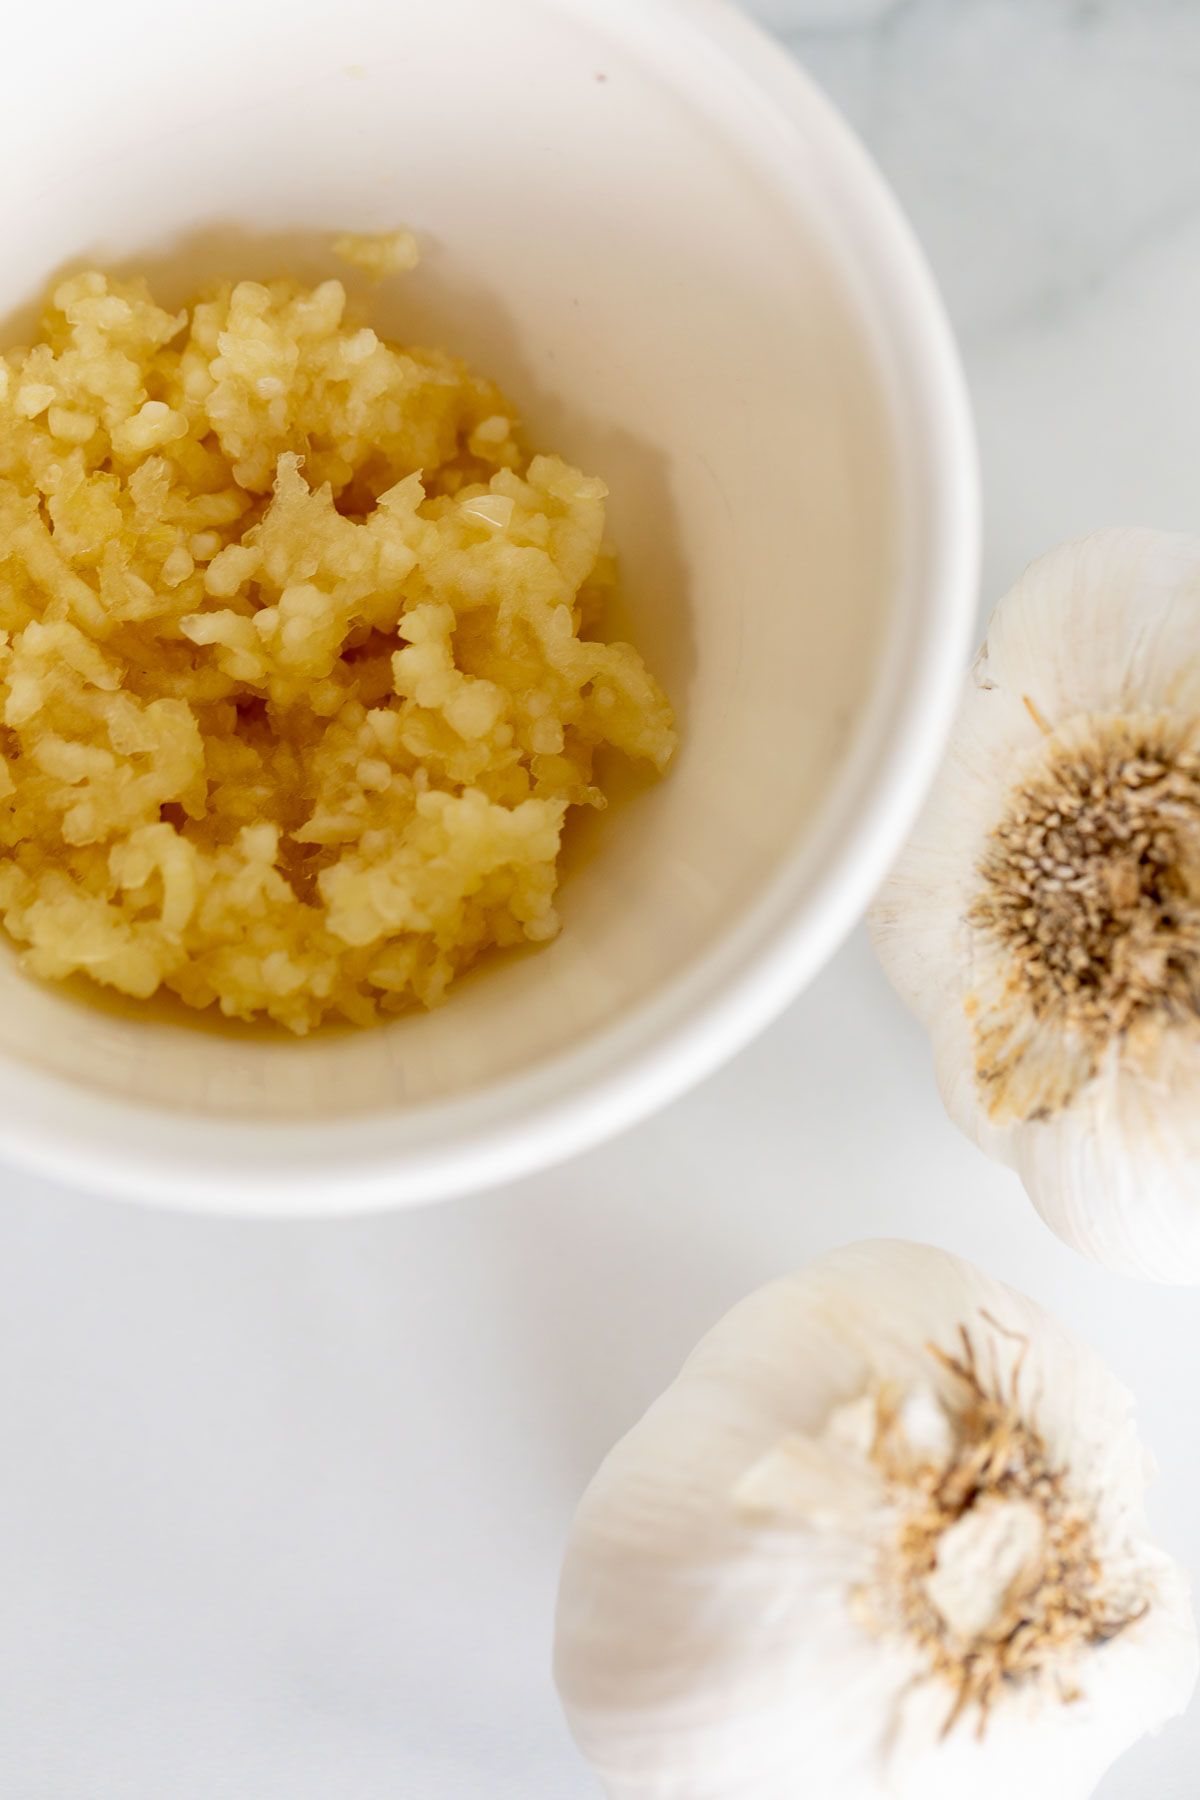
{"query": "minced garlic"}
pixel 295 682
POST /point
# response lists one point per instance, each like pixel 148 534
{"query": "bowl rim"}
pixel 655 1051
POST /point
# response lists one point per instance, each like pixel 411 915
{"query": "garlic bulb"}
pixel 883 1536
pixel 1044 920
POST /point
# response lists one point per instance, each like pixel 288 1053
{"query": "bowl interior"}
pixel 618 229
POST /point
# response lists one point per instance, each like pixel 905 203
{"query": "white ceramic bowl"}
pixel 641 217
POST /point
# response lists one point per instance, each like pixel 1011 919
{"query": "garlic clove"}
pixel 1117 1175
pixel 919 922
pixel 726 1632
pixel 1105 622
pixel 1085 698
pixel 670 1577
pixel 815 1482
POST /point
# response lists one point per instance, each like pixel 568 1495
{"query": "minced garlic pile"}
pixel 294 675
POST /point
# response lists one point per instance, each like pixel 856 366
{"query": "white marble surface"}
pixel 281 1507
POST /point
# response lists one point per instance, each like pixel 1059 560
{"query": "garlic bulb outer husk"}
pixel 711 1638
pixel 1104 1132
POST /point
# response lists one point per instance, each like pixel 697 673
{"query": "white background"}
pixel 281 1507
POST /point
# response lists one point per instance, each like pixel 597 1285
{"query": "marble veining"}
pixel 1048 154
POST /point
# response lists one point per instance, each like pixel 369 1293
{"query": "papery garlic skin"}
pixel 1095 651
pixel 711 1643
